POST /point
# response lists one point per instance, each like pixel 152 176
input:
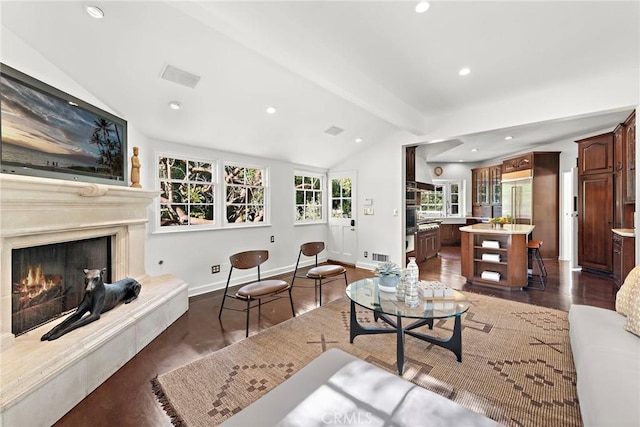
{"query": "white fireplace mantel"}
pixel 37 211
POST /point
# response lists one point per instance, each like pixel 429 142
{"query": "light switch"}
pixel 368 211
pixel 395 212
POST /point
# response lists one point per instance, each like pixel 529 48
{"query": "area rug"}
pixel 517 367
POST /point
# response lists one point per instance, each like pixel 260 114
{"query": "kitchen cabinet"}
pixel 508 255
pixel 486 191
pixel 450 234
pixel 410 154
pixel 595 221
pixel 630 159
pixel 606 195
pixel 595 154
pixel 519 163
pixel 427 244
pixel 623 256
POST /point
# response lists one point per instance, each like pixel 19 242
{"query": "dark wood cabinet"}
pixel 623 257
pixel 450 234
pixel 522 162
pixel 595 154
pixel 427 244
pixel 410 154
pixel 486 191
pixel 630 159
pixel 595 221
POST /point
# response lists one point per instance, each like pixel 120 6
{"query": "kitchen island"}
pixel 495 256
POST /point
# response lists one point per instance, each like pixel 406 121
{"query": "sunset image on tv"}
pixel 44 132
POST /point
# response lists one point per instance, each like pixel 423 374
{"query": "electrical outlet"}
pixel 215 269
pixel 366 254
pixel 273 239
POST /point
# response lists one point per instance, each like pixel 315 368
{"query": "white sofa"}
pixel 337 388
pixel 607 360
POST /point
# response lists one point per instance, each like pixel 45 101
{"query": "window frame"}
pixel 215 190
pixel 265 191
pixel 323 194
pixel 444 212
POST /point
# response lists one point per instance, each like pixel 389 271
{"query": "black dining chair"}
pixel 257 290
pixel 318 273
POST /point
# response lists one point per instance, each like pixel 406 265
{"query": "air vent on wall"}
pixel 181 77
pixel 334 130
pixel 379 257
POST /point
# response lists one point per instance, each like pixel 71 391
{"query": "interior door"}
pixel 343 244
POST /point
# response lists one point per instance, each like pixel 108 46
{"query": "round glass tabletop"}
pixel 366 293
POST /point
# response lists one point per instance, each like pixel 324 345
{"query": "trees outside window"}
pixel 245 191
pixel 444 201
pixel 187 192
pixel 309 197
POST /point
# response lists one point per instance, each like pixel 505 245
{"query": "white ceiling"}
pixel 372 68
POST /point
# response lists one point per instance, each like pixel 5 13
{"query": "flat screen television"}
pixel 49 133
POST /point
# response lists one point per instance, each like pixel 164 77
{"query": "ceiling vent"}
pixel 181 77
pixel 334 130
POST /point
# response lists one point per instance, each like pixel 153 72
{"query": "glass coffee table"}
pixel 385 306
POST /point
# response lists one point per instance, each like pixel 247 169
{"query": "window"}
pixel 309 197
pixel 444 201
pixel 341 198
pixel 245 189
pixel 187 192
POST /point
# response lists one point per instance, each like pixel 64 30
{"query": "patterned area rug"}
pixel 516 368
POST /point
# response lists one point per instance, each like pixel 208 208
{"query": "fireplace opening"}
pixel 48 280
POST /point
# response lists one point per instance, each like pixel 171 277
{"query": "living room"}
pixel 31 44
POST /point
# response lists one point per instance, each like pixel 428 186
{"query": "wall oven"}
pixel 411 221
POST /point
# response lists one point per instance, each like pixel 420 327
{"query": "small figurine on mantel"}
pixel 135 169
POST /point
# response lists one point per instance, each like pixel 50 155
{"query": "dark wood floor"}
pixel 126 398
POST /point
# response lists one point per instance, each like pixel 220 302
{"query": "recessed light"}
pixel 464 71
pixel 175 105
pixel 461 160
pixel 508 137
pixel 422 7
pixel 474 150
pixel 271 110
pixel 359 140
pixel 95 12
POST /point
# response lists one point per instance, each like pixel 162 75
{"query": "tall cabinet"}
pixel 606 195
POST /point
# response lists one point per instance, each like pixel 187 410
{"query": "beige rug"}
pixel 516 368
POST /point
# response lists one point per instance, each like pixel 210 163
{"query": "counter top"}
pixel 506 229
pixel 624 232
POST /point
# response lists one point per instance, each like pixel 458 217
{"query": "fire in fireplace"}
pixel 48 280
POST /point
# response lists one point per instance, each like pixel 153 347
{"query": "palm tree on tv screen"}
pixel 110 149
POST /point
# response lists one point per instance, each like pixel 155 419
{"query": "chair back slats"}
pixel 312 248
pixel 248 259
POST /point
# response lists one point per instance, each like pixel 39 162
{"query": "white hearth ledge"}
pixel 42 381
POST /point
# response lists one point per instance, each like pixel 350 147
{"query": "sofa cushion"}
pixel 607 366
pixel 633 315
pixel 631 282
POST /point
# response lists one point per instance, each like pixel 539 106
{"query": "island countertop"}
pixel 506 229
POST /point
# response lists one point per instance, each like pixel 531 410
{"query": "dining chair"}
pixel 257 290
pixel 318 273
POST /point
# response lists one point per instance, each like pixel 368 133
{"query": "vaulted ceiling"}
pixel 371 68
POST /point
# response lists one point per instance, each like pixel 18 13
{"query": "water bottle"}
pixel 411 287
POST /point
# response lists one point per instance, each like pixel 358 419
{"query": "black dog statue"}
pixel 98 298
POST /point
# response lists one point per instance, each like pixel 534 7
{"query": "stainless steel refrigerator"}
pixel 517 198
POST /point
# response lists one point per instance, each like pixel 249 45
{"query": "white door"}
pixel 343 244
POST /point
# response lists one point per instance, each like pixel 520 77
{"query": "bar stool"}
pixel 539 280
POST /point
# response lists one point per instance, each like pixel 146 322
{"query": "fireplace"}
pixel 48 280
pixel 50 230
